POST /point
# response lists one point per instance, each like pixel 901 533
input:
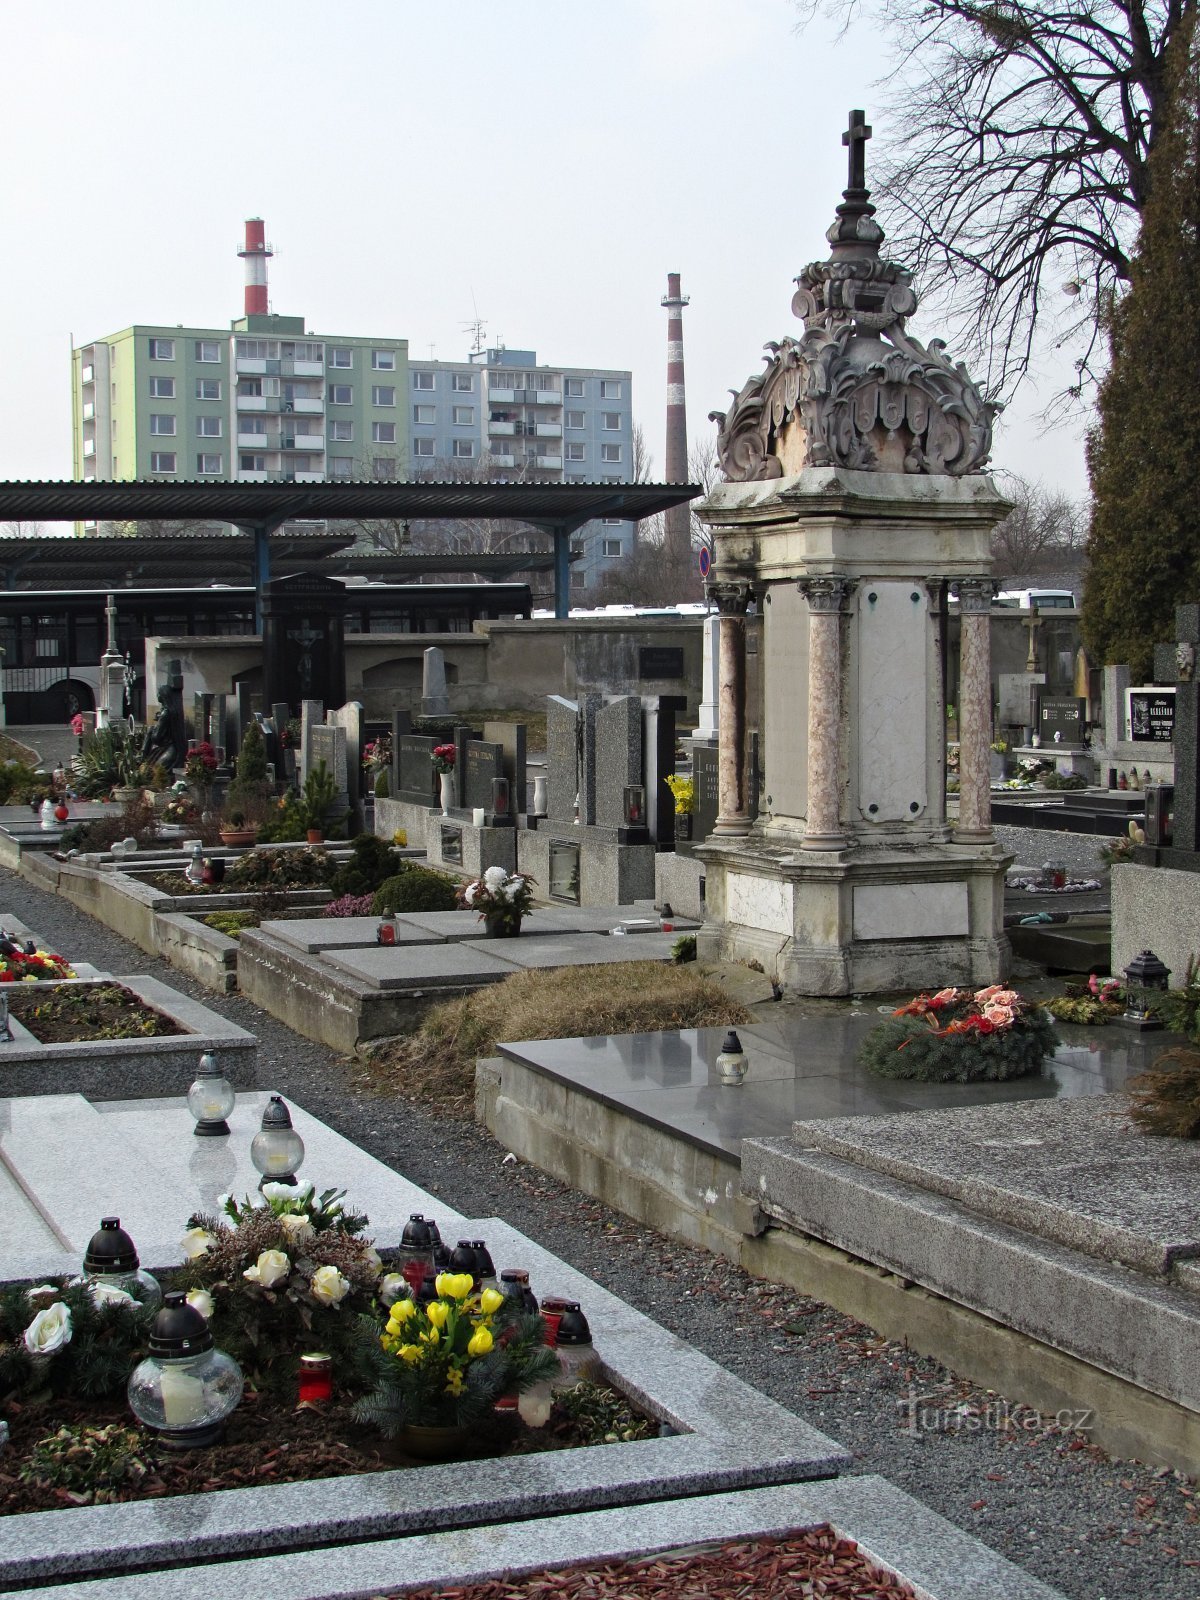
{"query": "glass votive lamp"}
pixel 500 797
pixel 111 1259
pixel 1144 976
pixel 416 1254
pixel 277 1149
pixel 315 1384
pixel 210 1099
pixel 731 1059
pixel 635 805
pixel 185 1388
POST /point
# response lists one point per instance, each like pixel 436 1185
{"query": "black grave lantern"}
pixel 1144 976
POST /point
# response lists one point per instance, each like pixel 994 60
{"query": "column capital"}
pixel 730 595
pixel 975 594
pixel 827 591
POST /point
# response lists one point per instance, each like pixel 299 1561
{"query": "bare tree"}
pixel 1015 157
pixel 1044 533
pixel 643 461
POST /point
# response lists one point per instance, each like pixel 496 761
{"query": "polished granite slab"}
pixel 799 1067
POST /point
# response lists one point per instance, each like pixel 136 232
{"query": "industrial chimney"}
pixel 678 519
pixel 255 253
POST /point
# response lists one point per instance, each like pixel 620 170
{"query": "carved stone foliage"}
pixel 856 390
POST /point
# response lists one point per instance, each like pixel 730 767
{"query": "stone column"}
pixel 974 709
pixel 826 596
pixel 731 599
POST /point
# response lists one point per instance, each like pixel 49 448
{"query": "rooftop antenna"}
pixel 476 328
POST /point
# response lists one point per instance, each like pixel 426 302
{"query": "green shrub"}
pixel 1165 1099
pixel 372 863
pixel 310 868
pixel 16 780
pixel 286 823
pixel 414 889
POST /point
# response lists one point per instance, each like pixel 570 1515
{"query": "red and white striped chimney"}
pixel 255 253
pixel 677 519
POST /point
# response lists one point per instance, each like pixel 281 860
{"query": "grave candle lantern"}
pixel 185 1388
pixel 277 1149
pixel 499 797
pixel 111 1260
pixel 635 805
pixel 731 1061
pixel 316 1378
pixel 1145 975
pixel 210 1099
pixel 416 1253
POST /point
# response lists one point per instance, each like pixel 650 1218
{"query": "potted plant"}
pixel 198 769
pixel 317 800
pixel 234 831
pixel 684 791
pixel 502 900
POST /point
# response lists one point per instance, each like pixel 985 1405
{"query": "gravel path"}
pixel 1093 1527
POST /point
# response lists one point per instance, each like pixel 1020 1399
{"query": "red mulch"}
pixel 816 1565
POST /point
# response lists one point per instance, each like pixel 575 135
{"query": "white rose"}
pixel 371 1257
pixel 494 877
pixel 271 1267
pixel 107 1294
pixel 49 1331
pixel 303 1190
pixel 200 1300
pixel 328 1286
pixel 392 1288
pixel 469 895
pixel 43 1291
pixel 299 1230
pixel 196 1242
pixel 278 1191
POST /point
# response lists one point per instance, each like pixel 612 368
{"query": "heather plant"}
pixel 1165 1099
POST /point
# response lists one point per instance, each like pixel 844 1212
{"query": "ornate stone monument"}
pixel 856 503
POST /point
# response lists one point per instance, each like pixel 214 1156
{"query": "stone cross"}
pixel 1176 663
pixel 855 138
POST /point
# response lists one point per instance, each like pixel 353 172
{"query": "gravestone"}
pixel 589 707
pixel 659 661
pixel 1116 723
pixel 328 744
pixel 304 655
pixel 658 744
pixel 1061 720
pixel 510 736
pixel 1176 663
pixel 562 758
pixel 618 757
pixel 415 778
pixel 706 802
pixel 350 719
pixel 1017 695
pixel 1151 715
pixel 202 712
pixel 312 715
pixel 165 739
pixel 401 728
pixel 484 762
pixel 435 699
pixel 710 693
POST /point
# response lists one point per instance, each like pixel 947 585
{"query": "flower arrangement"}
pixel 377 754
pixel 69 1338
pixel 1094 1003
pixel 201 763
pixel 446 1364
pixel 1123 846
pixel 684 790
pixel 287 1272
pixel 500 898
pixel 443 758
pixel 962 1036
pixel 28 965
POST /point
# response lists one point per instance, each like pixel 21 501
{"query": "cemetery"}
pixel 912 1128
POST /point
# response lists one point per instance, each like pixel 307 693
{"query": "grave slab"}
pixel 311 934
pixel 582 950
pixel 424 966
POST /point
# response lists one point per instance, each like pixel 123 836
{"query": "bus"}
pixel 52 639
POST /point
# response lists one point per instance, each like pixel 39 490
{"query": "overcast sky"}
pixel 542 166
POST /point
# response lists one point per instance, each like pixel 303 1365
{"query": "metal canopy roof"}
pixel 271 504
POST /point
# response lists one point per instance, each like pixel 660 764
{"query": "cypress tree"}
pixel 1144 453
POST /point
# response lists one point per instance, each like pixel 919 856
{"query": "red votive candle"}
pixel 316 1378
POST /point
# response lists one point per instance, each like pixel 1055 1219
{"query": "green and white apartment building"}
pixel 267 400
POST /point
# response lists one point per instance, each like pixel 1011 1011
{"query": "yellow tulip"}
pixel 437 1313
pixel 490 1300
pixel 454 1285
pixel 480 1343
pixel 409 1352
pixel 401 1311
pixel 432 1337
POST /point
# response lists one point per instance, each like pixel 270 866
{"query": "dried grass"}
pixel 436 1065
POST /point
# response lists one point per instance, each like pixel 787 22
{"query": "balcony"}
pixel 305 403
pixel 501 459
pixel 89 447
pixel 302 369
pixel 253 477
pixel 250 364
pixel 304 441
pixel 501 395
pixel 89 412
pixel 545 397
pixel 252 441
pixel 500 430
pixel 252 402
pixel 307 477
pixel 553 463
pixel 548 430
pixel 88 374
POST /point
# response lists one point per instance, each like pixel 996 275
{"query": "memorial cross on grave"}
pixel 1176 663
pixel 855 139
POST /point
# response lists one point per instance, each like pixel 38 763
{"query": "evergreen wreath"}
pixel 961 1036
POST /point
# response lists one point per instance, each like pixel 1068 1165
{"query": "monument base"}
pixel 857 921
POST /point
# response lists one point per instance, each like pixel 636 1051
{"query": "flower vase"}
pixel 502 926
pixel 446 791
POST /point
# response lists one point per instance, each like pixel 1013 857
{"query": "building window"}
pixel 463 383
pixel 162 388
pixel 609 389
pixel 384 361
pixel 612 547
pixel 610 421
pixel 422 380
pixel 578 579
pixel 464 448
pixel 250 388
pixel 464 416
pixel 575 452
pixel 383 467
pixel 422 447
pixel 162 350
pixel 161 424
pixel 340 356
pixel 576 547
pixel 383 433
pixel 341 432
pixel 574 388
pixel 162 461
pixel 575 419
pixel 251 463
pixel 341 394
pixel 252 424
pixel 208 350
pixel 341 466
pixel 208 466
pixel 610 452
pixel 383 394
pixel 252 349
pixel 425 415
pixel 206 388
pixel 208 427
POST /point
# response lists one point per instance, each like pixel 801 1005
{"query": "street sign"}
pixel 704 561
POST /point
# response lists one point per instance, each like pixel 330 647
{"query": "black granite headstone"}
pixel 1180 664
pixel 707 786
pixel 657 661
pixel 303 640
pixel 1064 716
pixel 1151 716
pixel 416 780
pixel 484 763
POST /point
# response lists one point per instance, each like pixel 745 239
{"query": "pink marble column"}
pixel 731 598
pixel 826 596
pixel 974 709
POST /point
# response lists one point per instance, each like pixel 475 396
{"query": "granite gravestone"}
pixel 618 757
pixel 312 715
pixel 1151 715
pixel 416 781
pixel 1176 663
pixel 510 736
pixel 435 698
pixel 304 654
pixel 349 718
pixel 483 763
pixel 710 686
pixel 706 802
pixel 401 728
pixel 1061 720
pixel 589 707
pixel 658 744
pixel 562 758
